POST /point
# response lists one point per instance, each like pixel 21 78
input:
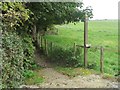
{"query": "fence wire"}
pixel 110 56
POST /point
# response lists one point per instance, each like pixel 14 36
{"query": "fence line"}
pixel 75 46
pixel 98 47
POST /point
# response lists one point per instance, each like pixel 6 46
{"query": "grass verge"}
pixel 72 72
pixel 33 77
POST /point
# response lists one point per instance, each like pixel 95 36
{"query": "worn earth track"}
pixel 54 79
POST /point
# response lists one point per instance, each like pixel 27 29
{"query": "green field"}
pixel 100 33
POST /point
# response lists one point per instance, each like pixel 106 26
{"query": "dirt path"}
pixel 54 79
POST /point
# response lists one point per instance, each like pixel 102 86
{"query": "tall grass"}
pixel 101 33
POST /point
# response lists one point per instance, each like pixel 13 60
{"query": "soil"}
pixel 54 79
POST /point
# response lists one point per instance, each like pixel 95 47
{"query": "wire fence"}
pixel 99 57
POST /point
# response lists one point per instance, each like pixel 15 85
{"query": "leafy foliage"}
pixel 12 56
pixel 33 77
pixel 28 52
pixel 65 57
pixel 28 73
pixel 17 47
pixel 49 13
pixel 14 14
pixel 18 19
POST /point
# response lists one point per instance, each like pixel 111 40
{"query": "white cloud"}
pixel 103 9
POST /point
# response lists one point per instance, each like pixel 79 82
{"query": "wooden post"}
pixel 46 48
pixel 85 40
pixel 51 46
pixel 39 38
pixel 101 59
pixel 34 32
pixel 74 47
pixel 45 45
pixel 41 41
pixel 57 31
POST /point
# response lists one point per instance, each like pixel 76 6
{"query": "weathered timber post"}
pixel 74 48
pixel 101 59
pixel 46 48
pixel 34 32
pixel 85 40
pixel 41 41
pixel 39 37
pixel 51 46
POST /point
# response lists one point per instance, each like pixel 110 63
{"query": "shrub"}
pixel 17 56
pixel 28 73
pixel 33 77
pixel 92 64
pixel 28 48
pixel 66 57
pixel 12 60
pixel 17 52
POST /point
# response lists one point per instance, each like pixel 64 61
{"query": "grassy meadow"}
pixel 100 33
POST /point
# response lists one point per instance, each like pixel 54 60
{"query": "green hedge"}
pixel 29 49
pixel 17 56
pixel 12 60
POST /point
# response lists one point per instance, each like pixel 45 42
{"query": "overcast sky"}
pixel 103 9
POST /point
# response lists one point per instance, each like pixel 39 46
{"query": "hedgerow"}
pixel 12 60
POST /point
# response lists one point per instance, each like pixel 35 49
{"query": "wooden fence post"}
pixel 74 47
pixel 39 38
pixel 46 48
pixel 51 46
pixel 41 41
pixel 101 59
pixel 85 40
pixel 57 31
pixel 34 32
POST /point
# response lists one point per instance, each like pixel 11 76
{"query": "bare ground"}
pixel 54 79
